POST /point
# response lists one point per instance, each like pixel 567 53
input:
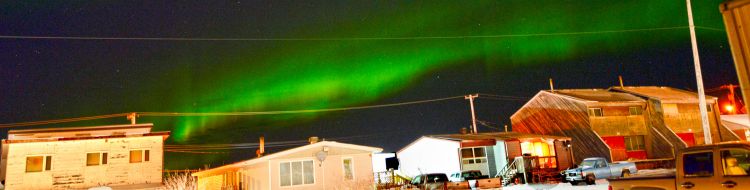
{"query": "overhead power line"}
pixel 291 111
pixel 27 37
pixel 167 114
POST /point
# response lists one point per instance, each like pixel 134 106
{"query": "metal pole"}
pixel 473 116
pixel 699 78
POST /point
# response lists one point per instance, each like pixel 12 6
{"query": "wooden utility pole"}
pixel 471 97
pixel 699 77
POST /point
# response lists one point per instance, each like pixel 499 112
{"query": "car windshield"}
pixel 471 174
pixel 588 163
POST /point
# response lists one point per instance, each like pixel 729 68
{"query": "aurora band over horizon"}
pixel 315 74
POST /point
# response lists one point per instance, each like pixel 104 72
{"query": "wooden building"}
pixel 486 152
pixel 320 165
pixel 118 156
pixel 620 123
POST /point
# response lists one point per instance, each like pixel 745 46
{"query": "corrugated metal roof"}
pixel 598 95
pixel 496 136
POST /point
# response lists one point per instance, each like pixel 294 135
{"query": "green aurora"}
pixel 314 74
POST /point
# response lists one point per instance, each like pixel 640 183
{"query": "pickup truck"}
pixel 473 179
pixel 598 168
pixel 715 167
pixel 431 181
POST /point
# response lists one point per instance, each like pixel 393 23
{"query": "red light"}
pixel 729 108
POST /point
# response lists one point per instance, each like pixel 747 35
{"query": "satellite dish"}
pixel 321 155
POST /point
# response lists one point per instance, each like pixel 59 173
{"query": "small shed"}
pixel 486 152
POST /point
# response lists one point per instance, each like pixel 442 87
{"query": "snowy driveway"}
pixel 601 184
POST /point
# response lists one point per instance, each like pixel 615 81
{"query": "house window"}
pixel 38 163
pixel 474 155
pixel 708 107
pixel 636 110
pixel 670 109
pixel 96 158
pixel 348 169
pixel 296 173
pixel 595 112
pixel 137 156
pixel 634 143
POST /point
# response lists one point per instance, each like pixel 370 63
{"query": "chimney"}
pixel 464 131
pixel 313 140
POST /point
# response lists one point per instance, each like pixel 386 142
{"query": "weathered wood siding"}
pixel 69 170
pixel 549 114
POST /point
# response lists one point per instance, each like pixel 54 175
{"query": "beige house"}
pixel 321 165
pixel 118 156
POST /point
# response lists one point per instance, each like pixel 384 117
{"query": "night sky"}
pixel 330 54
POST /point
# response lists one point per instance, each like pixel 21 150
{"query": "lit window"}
pixel 96 158
pixel 635 110
pixel 595 112
pixel 137 156
pixel 348 169
pixel 37 163
pixel 296 173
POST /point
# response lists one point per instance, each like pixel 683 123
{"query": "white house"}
pixel 119 156
pixel 486 152
pixel 320 165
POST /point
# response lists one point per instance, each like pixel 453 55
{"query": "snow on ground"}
pixel 601 184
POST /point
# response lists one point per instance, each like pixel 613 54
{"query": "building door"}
pixel 617 146
pixel 688 138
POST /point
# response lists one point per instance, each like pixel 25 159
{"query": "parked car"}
pixel 591 169
pixel 467 175
pixel 431 181
pixel 715 166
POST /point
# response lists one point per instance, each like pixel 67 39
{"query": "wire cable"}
pixel 291 111
pixel 339 39
pixel 32 123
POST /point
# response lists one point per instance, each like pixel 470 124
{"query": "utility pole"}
pixel 471 97
pixel 699 77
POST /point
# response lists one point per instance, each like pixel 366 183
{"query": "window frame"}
pixel 291 172
pixel 351 167
pixel 45 163
pixel 145 155
pixel 474 158
pixel 102 158
pixel 592 112
pixel 629 143
pixel 721 156
pixel 711 163
pixel 637 109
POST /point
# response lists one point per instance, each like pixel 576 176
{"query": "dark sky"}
pixel 328 54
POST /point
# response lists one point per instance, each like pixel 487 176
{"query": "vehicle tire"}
pixel 625 173
pixel 590 180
